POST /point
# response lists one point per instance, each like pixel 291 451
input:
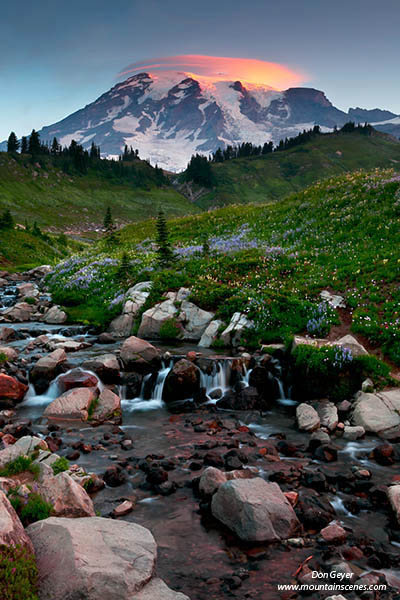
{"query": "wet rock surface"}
pixel 163 464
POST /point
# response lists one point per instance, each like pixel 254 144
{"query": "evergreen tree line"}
pixel 199 167
pixel 75 159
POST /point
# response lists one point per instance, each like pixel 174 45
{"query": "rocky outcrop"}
pixel 191 320
pixel 233 334
pixel 10 353
pixel 121 326
pixel 183 381
pixel 96 558
pixel 194 320
pixel 210 334
pixel 12 532
pixel 307 417
pixel 137 354
pixel 6 334
pixel 332 299
pixel 28 290
pixel 350 342
pixel 153 318
pixel 22 447
pixel 136 297
pixel 108 408
pixel 55 316
pixel 210 481
pixel 255 510
pixel 68 498
pixel 39 272
pixel 379 413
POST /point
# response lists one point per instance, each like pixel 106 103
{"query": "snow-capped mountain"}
pixel 169 116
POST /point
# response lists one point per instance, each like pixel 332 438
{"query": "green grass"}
pixel 21 250
pixel 59 201
pixel 276 175
pixel 60 465
pixel 19 465
pixel 342 233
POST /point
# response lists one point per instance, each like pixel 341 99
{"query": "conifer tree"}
pixel 6 220
pixel 34 146
pixel 111 234
pixel 24 145
pixel 123 273
pixel 55 147
pixel 164 251
pixel 12 143
pixel 108 220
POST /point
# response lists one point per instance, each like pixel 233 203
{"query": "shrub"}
pixel 332 372
pixel 60 465
pixel 3 357
pixel 323 373
pixel 170 330
pixel 30 300
pixel 35 509
pixel 18 574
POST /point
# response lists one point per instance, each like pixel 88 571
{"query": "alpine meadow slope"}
pixel 63 199
pixel 278 174
pixel 269 261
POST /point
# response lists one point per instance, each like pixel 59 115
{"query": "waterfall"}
pixel 53 391
pixel 217 380
pixel 156 401
pixel 246 376
pixel 160 381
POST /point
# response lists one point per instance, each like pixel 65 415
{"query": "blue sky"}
pixel 58 56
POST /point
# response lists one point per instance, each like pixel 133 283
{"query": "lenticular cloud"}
pixel 221 68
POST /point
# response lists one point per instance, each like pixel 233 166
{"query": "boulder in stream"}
pixel 55 316
pixel 183 381
pixel 139 355
pixel 307 417
pixel 11 390
pixel 73 405
pixel 256 510
pixel 379 413
pixel 96 558
pixel 48 367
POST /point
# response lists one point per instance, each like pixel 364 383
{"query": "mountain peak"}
pixel 170 115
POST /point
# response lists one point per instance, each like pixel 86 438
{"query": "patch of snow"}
pixel 394 121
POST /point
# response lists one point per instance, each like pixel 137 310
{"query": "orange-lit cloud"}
pixel 223 68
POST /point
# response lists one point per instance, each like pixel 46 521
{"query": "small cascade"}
pixel 33 399
pixel 157 393
pixel 246 376
pixel 53 391
pixel 156 401
pixel 218 379
pixel 8 296
pixel 340 509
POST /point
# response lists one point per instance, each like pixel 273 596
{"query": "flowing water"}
pixel 148 421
